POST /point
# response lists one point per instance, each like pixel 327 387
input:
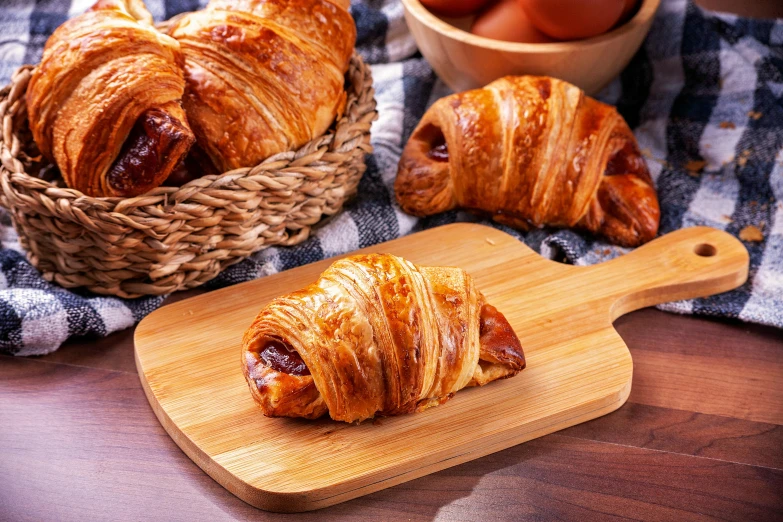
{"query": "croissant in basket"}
pixel 118 104
pixel 530 151
pixel 263 76
pixel 104 104
pixel 376 335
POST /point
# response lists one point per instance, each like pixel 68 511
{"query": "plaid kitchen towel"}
pixel 704 96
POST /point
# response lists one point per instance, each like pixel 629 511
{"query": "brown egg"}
pixel 454 8
pixel 573 19
pixel 507 21
pixel 627 9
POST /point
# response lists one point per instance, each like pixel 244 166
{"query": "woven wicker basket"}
pixel 174 238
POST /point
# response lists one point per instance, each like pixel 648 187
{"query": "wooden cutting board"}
pixel 578 368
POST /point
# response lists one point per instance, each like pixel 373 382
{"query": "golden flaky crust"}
pixel 263 76
pixel 100 74
pixel 379 336
pixel 530 151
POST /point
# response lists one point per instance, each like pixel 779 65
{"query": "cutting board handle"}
pixel 688 263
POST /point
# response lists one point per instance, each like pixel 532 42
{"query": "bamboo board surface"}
pixel 578 368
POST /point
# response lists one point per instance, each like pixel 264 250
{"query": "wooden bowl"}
pixel 465 61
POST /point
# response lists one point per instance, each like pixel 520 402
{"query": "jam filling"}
pixel 280 357
pixel 155 137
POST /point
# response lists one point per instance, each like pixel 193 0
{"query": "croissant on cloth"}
pixel 263 76
pixel 104 104
pixel 530 151
pixel 376 335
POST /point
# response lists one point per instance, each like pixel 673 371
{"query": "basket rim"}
pixel 294 159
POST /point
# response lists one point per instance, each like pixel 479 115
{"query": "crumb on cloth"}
pixel 751 234
pixel 694 167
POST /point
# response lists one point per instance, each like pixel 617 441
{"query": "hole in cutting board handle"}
pixel 705 250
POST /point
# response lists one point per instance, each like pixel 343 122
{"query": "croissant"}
pixel 104 104
pixel 530 151
pixel 376 335
pixel 263 76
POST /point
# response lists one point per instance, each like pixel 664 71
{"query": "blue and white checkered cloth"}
pixel 705 87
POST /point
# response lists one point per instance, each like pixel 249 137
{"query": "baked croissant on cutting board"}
pixel 376 335
pixel 530 151
pixel 263 76
pixel 104 103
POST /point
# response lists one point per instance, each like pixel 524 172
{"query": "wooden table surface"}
pixel 699 438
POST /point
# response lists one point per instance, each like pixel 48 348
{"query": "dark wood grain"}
pixel 736 388
pixel 686 335
pixel 88 443
pixel 113 352
pixel 559 477
pixel 689 433
pixel 706 366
